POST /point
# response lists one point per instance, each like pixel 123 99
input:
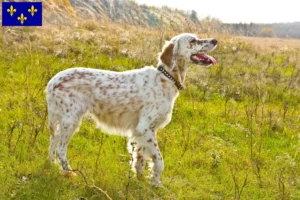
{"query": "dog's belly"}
pixel 116 117
pixel 120 123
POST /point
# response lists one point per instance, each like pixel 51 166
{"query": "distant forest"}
pixel 281 30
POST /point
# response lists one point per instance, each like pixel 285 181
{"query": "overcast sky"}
pixel 235 11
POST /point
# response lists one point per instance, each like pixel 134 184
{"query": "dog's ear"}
pixel 167 54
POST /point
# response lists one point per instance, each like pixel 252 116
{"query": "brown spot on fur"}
pixel 163 80
pixel 200 42
pixel 58 86
pixel 153 157
pixel 150 140
pixel 67 79
pixel 167 54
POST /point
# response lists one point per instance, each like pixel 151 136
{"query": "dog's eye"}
pixel 193 40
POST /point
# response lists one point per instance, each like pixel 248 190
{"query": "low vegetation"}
pixel 234 133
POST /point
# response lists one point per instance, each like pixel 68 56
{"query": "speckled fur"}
pixel 133 103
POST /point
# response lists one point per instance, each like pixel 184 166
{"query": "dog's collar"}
pixel 169 76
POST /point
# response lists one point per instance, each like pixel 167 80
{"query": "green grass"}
pixel 234 132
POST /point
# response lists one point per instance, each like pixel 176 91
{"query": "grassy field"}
pixel 234 132
pixel 273 43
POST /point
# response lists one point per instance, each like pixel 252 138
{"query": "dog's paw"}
pixel 156 183
pixel 140 177
pixel 70 174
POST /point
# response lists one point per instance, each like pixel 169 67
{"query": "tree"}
pixel 194 17
pixel 267 32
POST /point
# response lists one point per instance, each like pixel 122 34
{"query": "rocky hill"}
pixel 67 12
pixel 128 12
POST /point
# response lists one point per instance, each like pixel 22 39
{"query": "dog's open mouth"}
pixel 203 59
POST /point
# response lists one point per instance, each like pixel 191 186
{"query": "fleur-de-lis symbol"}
pixel 22 18
pixel 11 10
pixel 32 10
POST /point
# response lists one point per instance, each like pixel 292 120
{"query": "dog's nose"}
pixel 214 42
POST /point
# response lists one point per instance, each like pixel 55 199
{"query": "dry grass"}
pixel 267 43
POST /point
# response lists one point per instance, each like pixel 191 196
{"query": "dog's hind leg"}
pixel 54 137
pixel 68 126
pixel 54 140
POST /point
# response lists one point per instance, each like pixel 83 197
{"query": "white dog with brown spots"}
pixel 133 103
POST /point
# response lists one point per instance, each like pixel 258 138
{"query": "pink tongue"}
pixel 206 57
pixel 212 59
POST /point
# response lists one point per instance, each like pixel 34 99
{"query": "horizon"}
pixel 246 12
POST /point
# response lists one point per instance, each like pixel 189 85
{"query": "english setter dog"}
pixel 133 103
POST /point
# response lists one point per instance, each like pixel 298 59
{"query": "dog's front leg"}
pixel 138 159
pixel 145 146
pixel 158 164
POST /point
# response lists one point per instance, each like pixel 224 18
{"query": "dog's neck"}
pixel 177 71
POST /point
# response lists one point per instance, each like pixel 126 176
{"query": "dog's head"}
pixel 188 47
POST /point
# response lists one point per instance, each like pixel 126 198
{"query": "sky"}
pixel 236 11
